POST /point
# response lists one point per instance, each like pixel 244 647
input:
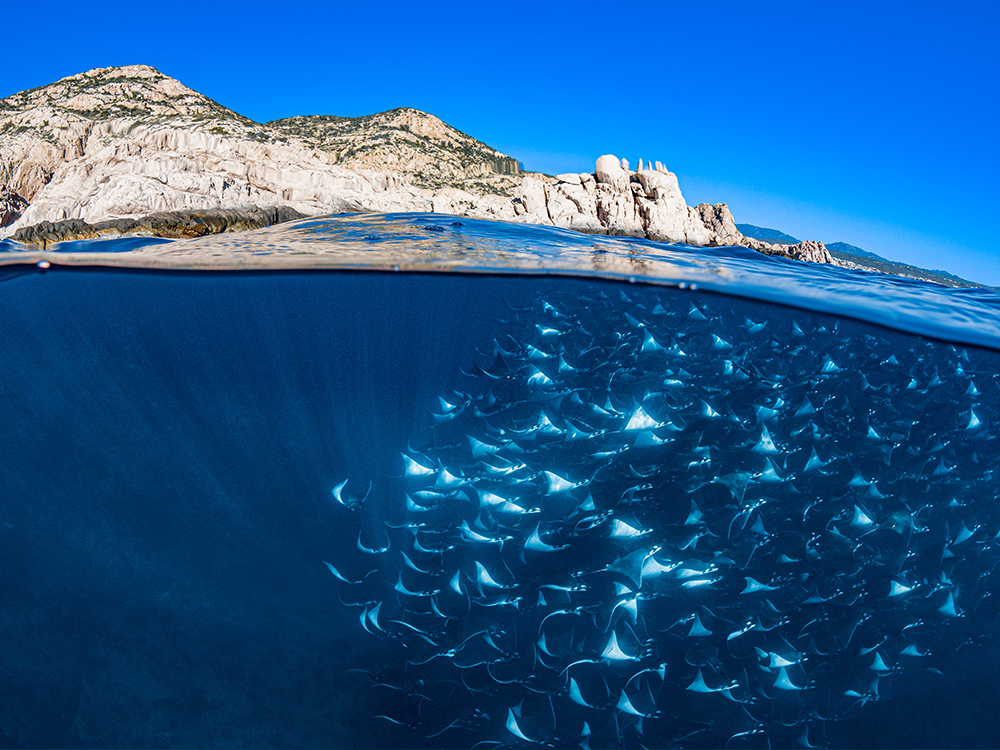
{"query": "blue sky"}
pixel 869 123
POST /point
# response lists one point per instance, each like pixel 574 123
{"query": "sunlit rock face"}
pixel 127 142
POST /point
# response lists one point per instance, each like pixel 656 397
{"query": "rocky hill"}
pixel 46 127
pixel 117 143
pixel 431 153
pixel 113 150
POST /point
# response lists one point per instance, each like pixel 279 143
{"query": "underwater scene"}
pixel 744 502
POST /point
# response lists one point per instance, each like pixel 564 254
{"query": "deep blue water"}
pixel 172 442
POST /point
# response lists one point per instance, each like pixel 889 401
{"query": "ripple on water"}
pixel 435 243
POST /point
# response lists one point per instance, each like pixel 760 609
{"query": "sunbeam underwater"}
pixel 450 503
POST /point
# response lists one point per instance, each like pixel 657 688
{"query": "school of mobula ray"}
pixel 661 518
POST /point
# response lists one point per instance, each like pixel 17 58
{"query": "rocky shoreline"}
pixel 613 200
pixel 130 151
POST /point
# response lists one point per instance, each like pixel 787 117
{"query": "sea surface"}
pixel 425 481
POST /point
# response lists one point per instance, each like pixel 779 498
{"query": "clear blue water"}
pixel 784 514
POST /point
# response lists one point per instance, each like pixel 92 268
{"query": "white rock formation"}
pixel 166 169
pixel 646 203
pixel 609 171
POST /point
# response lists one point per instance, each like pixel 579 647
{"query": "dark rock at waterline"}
pixel 169 225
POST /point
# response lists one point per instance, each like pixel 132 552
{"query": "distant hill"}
pixel 843 247
pixel 872 262
pixel 767 235
pixel 854 257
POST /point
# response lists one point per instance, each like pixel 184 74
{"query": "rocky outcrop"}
pixel 172 225
pixel 719 220
pixel 644 203
pixel 615 200
pixel 810 250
